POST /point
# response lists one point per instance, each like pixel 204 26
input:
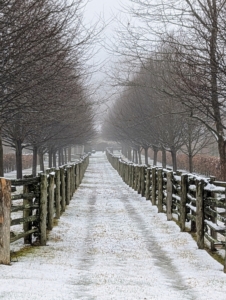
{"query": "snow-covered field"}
pixel 112 244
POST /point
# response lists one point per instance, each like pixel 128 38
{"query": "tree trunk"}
pixel 174 159
pixel 50 158
pixel 139 156
pixel 65 155
pixel 41 160
pixel 1 156
pixel 125 150
pixel 222 153
pixel 214 91
pixel 155 156
pixel 34 161
pixel 146 155
pixel 136 156
pixel 69 154
pixel 62 156
pixel 163 157
pixel 19 167
pixel 190 162
pixel 59 158
pixel 54 159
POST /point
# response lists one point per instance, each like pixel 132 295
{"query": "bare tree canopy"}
pixel 188 39
pixel 43 80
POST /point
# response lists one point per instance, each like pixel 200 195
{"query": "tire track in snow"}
pixel 87 259
pixel 161 260
pixel 170 275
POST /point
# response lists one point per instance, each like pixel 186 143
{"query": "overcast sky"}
pixel 105 10
pixel 95 8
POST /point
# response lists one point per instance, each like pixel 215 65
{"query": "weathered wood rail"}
pixel 30 213
pixel 196 202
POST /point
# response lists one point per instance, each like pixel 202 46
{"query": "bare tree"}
pixel 195 32
pixel 44 46
pixel 143 117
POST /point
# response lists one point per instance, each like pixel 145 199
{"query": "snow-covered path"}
pixel 111 244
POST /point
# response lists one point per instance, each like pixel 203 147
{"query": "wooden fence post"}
pixel 77 175
pixel 118 165
pixel 184 191
pixel 5 210
pixel 147 189
pixel 153 183
pixel 26 213
pixel 213 233
pixel 129 174
pixel 132 170
pixel 169 196
pixel 139 179
pixel 43 208
pixel 160 191
pixel 83 169
pixel 142 180
pixel 62 180
pixel 51 201
pixel 80 173
pixel 125 172
pixel 135 178
pixel 200 213
pixel 72 180
pixel 68 193
pixel 74 177
pixel 120 168
pixel 57 181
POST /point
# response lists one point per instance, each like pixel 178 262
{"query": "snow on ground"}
pixel 112 244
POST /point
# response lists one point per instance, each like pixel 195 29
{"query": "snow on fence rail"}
pixel 196 201
pixel 30 214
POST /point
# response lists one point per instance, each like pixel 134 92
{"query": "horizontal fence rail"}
pixel 196 202
pixel 29 206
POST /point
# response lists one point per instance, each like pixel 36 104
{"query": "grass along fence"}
pixel 30 213
pixel 197 202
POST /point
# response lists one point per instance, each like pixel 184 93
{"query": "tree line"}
pixel 172 70
pixel 45 103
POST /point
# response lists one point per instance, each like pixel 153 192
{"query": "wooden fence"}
pixel 30 213
pixel 197 202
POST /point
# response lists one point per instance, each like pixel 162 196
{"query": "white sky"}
pixel 95 8
pixel 105 11
pixel 102 10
